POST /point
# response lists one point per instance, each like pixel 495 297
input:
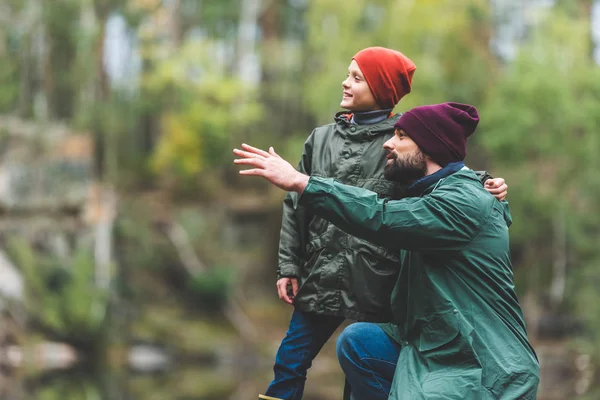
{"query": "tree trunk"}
pixel 101 96
pixel 559 265
pixel 60 22
pixel 246 42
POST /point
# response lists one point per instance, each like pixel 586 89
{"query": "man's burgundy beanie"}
pixel 387 72
pixel 441 130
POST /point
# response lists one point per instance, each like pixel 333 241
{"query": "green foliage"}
pixel 60 20
pixel 212 288
pixel 61 295
pixel 72 389
pixel 204 110
pixel 219 18
pixel 540 125
pixel 537 125
pixel 10 91
pixel 145 250
pixel 141 245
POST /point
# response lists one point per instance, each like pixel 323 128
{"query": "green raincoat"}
pixel 454 307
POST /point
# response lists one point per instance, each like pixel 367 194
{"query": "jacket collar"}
pixel 371 117
pixel 343 119
pixel 419 187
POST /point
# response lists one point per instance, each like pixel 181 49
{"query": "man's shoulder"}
pixel 464 177
pixel 464 186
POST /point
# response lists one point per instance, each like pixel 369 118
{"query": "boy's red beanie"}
pixel 387 72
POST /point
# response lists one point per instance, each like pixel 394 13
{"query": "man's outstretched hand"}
pixel 271 167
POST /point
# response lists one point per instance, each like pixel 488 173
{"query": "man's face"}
pixel 357 95
pixel 406 162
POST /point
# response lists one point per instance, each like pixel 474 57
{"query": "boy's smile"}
pixel 357 95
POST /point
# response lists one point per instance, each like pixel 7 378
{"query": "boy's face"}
pixel 357 95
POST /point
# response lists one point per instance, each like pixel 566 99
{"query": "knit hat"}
pixel 387 72
pixel 441 130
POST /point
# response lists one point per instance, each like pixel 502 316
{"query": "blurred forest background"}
pixel 135 264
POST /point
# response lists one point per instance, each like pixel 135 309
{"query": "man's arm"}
pixel 446 219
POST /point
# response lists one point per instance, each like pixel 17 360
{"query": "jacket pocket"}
pixel 372 273
pixel 309 281
pixel 379 259
pixel 446 341
pixel 452 368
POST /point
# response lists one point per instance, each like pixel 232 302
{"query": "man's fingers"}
pixel 272 152
pixel 255 162
pixel 254 171
pixel 254 150
pixel 294 286
pixel 246 154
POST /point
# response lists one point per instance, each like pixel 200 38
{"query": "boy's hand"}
pixel 282 289
pixel 497 187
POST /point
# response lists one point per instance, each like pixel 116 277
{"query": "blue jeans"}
pixel 368 357
pixel 304 339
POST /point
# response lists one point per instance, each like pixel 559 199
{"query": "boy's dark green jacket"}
pixel 455 311
pixel 340 274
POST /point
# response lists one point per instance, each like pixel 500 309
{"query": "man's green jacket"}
pixel 454 307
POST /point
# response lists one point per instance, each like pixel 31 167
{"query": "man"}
pixel 314 255
pixel 458 330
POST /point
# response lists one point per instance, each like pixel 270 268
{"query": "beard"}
pixel 406 169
